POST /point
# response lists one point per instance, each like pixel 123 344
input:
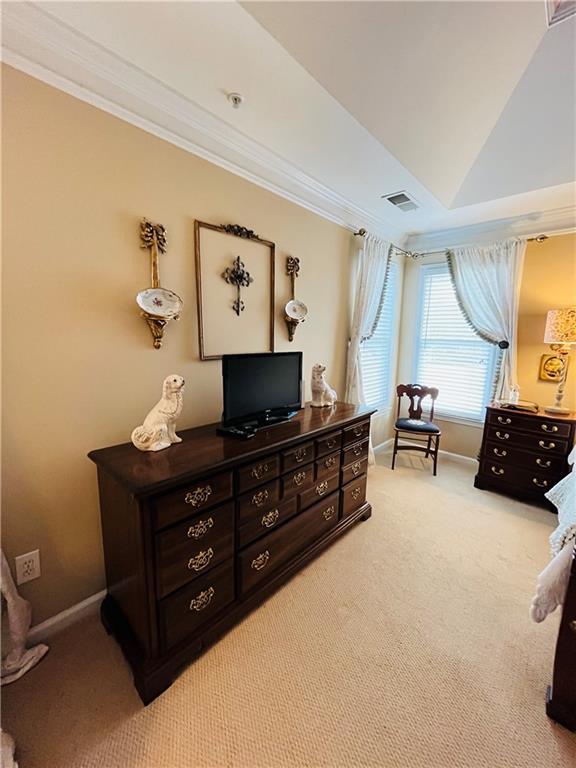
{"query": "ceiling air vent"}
pixel 401 200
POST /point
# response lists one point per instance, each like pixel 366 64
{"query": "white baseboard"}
pixel 54 624
pixel 386 447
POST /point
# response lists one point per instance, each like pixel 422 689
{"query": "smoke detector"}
pixel 235 99
pixel 402 200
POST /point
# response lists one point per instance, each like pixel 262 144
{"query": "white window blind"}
pixel 449 355
pixel 378 352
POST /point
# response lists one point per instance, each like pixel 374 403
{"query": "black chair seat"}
pixel 417 425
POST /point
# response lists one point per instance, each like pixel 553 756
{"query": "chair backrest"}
pixel 416 393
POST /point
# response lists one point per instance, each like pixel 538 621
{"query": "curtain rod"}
pixel 417 254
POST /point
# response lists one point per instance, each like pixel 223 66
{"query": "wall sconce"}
pixel 295 311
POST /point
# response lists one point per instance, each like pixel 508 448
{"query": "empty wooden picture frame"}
pixel 233 319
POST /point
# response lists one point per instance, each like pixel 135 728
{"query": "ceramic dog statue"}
pixel 159 428
pixel 323 396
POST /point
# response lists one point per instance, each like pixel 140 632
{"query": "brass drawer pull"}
pixel 498 453
pixel 328 513
pixel 199 529
pixel 261 561
pixel 358 431
pixel 300 455
pixel 357 450
pixel 259 471
pixel 546 428
pixel 356 467
pixel 501 436
pixel 270 518
pixel 321 488
pixel 504 421
pixel 548 447
pixel 330 462
pixel 542 463
pixel 497 471
pixel 331 443
pixel 540 483
pixel 356 493
pixel 201 560
pixel 198 496
pixel 260 498
pixel 299 478
pixel 202 600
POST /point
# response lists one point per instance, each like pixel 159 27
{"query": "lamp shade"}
pixel 561 326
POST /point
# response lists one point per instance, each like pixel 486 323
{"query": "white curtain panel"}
pixel 487 283
pixel 369 273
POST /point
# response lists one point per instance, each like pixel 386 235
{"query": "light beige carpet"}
pixel 407 644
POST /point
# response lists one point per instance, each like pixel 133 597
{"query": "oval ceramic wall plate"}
pixel 159 302
pixel 296 310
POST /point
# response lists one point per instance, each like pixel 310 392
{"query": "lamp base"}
pixel 555 409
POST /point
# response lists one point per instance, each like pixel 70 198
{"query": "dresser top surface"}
pixel 541 413
pixel 202 451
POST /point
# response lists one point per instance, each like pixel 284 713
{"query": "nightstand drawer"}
pixel 261 559
pixel 257 473
pixel 297 456
pixel 539 462
pixel 535 482
pixel 189 549
pixel 540 444
pixel 187 610
pixel 258 500
pixel 328 465
pixel 355 453
pixel 261 523
pixel 297 481
pixel 356 432
pixel 319 490
pixel 540 424
pixel 331 442
pixel 353 496
pixel 354 470
pixel 196 497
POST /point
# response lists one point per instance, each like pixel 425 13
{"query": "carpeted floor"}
pixel 408 644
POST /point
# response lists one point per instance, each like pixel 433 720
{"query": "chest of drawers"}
pixel 198 535
pixel 524 454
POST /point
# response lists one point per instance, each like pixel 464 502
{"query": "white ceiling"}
pixel 467 106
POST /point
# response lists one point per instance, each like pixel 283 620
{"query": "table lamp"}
pixel 560 333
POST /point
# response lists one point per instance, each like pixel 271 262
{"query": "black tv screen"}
pixel 260 383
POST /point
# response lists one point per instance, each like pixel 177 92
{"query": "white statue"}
pixel 159 428
pixel 322 393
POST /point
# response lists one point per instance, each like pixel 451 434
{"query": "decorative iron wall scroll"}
pixel 235 290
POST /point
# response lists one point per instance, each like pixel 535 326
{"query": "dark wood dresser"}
pixel 198 535
pixel 524 454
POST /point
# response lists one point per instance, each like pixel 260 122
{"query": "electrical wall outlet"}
pixel 27 566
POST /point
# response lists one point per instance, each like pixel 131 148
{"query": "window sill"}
pixel 479 424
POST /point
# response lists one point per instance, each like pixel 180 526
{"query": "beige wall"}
pixel 548 282
pixel 79 370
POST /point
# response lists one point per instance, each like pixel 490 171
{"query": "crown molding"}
pixel 558 221
pixel 36 43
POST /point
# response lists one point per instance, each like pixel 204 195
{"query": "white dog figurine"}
pixel 159 428
pixel 323 395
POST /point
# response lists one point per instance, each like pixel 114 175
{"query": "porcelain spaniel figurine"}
pixel 323 396
pixel 159 428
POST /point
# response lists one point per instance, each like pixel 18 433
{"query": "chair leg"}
pixel 394 451
pixel 428 446
pixel 436 455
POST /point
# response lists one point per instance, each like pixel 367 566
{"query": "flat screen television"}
pixel 261 388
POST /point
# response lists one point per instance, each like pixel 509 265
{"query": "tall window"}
pixel 378 353
pixel 449 355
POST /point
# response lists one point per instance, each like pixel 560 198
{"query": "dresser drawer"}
pixel 297 456
pixel 328 465
pixel 353 496
pixel 329 443
pixel 261 559
pixel 529 441
pixel 319 490
pixel 298 480
pixel 539 462
pixel 355 452
pixel 540 424
pixel 187 610
pixel 528 480
pixel 356 432
pixel 354 470
pixel 258 472
pixel 258 500
pixel 189 549
pixel 261 523
pixel 196 497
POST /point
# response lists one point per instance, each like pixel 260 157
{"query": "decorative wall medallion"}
pixel 552 367
pixel 237 275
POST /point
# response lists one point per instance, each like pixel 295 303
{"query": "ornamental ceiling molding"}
pixel 47 49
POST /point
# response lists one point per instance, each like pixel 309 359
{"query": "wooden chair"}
pixel 414 424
